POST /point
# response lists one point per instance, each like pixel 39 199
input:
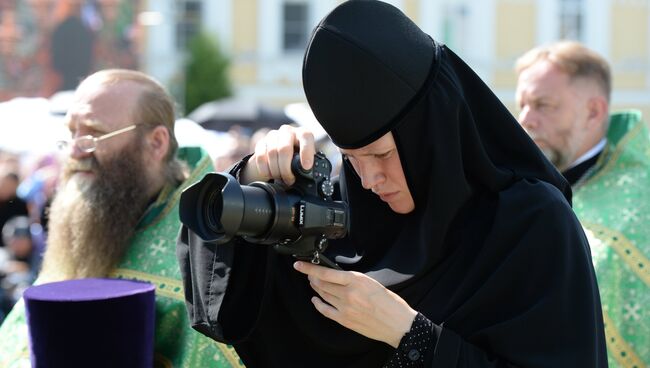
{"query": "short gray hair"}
pixel 572 58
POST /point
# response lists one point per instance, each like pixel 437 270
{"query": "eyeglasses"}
pixel 88 143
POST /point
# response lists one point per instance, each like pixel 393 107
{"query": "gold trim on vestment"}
pixel 612 160
pixel 619 348
pixel 624 247
pixel 230 354
pixel 165 286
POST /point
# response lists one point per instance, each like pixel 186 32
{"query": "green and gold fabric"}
pixel 613 204
pixel 151 258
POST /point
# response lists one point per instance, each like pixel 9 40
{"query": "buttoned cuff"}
pixel 415 344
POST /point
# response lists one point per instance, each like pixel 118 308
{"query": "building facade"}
pixel 265 39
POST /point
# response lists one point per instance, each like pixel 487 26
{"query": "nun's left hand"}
pixel 359 303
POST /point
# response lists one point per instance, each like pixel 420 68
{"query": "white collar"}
pixel 589 154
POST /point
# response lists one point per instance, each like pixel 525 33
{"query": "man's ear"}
pixel 598 111
pixel 158 142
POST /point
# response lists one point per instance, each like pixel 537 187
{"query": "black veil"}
pixel 492 252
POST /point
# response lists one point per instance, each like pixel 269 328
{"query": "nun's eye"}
pixel 384 155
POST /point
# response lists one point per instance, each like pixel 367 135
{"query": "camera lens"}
pixel 218 208
pixel 213 211
pixel 258 213
pixel 295 220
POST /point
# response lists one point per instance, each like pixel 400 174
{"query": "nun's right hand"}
pixel 273 154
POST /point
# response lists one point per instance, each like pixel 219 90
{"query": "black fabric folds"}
pixel 492 253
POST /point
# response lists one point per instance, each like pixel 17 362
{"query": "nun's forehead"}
pixel 380 145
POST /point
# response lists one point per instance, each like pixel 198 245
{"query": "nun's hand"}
pixel 359 303
pixel 273 154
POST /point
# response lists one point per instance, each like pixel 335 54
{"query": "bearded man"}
pixel 116 210
pixel 563 92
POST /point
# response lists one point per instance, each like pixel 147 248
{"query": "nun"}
pixel 463 249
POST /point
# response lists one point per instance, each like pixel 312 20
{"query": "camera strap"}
pixel 319 258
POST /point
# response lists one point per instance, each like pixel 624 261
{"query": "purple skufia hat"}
pixel 91 323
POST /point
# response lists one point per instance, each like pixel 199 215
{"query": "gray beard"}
pixel 93 221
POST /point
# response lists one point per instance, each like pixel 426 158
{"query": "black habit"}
pixel 492 254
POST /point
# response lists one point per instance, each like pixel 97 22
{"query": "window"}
pixel 295 30
pixel 571 19
pixel 189 21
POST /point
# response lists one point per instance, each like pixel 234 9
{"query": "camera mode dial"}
pixel 326 188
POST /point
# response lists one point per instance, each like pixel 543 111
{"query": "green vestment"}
pixel 151 258
pixel 613 203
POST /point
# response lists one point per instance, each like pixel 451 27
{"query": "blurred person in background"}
pixel 71 45
pixel 115 211
pixel 39 186
pixel 563 93
pixel 10 204
pixel 38 189
pixel 18 261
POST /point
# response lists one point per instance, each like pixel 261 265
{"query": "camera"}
pixel 296 220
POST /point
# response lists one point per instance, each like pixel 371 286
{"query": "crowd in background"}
pixel 26 187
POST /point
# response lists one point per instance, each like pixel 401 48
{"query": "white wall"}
pixel 160 58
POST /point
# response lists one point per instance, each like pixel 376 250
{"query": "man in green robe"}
pixel 116 211
pixel 563 94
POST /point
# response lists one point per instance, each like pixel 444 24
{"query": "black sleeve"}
pixel 197 285
pixel 415 347
pixel 451 350
pixel 216 279
pixel 421 347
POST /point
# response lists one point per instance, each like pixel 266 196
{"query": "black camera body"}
pixel 295 220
